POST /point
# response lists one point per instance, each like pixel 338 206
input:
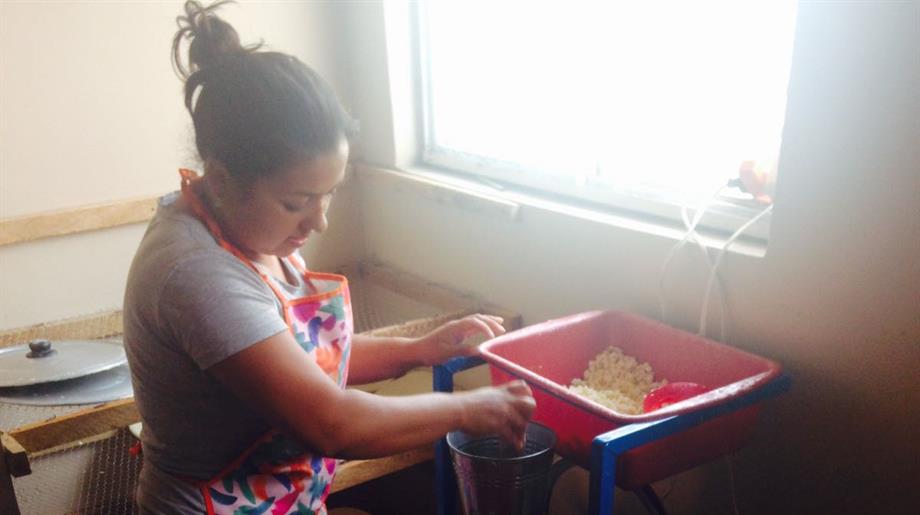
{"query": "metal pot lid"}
pixel 109 385
pixel 42 361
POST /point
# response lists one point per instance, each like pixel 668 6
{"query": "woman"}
pixel 239 355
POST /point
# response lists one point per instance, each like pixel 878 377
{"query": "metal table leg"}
pixel 651 501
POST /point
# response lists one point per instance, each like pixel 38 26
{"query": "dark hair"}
pixel 256 111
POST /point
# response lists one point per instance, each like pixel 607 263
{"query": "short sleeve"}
pixel 214 306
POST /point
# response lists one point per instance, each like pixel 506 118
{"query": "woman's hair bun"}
pixel 212 39
pixel 254 111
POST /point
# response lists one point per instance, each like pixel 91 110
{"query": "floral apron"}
pixel 275 475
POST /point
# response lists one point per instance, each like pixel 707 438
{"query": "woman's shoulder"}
pixel 174 221
pixel 176 235
pixel 182 281
pixel 179 253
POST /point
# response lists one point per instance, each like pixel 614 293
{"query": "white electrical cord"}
pixel 713 280
pixel 731 478
pixel 704 312
pixel 714 271
pixel 723 307
pixel 690 226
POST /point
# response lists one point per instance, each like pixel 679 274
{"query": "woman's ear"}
pixel 216 178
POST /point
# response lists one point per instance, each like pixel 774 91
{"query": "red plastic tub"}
pixel 549 355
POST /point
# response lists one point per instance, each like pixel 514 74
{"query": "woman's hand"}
pixel 448 341
pixel 500 410
pixel 374 358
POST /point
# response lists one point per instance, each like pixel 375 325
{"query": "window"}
pixel 645 106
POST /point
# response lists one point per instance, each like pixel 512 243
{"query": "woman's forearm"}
pixel 370 426
pixel 376 358
pixel 276 378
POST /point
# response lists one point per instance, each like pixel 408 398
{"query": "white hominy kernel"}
pixel 616 381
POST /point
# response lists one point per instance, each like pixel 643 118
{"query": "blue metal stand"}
pixel 604 449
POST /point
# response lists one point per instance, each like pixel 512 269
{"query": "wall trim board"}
pixel 77 219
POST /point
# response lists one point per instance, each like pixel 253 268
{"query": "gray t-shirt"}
pixel 190 304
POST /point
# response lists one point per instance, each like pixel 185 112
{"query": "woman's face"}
pixel 274 216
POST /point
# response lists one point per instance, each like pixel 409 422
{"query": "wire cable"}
pixel 712 282
pixel 690 226
pixel 714 271
pixel 731 479
pixel 723 307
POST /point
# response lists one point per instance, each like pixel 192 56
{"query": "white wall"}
pixel 836 299
pixel 91 111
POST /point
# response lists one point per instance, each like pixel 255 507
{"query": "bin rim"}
pixel 713 397
pixel 515 459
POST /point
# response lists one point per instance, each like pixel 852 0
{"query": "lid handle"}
pixel 40 349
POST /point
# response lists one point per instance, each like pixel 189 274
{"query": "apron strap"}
pixel 296 263
pixel 190 183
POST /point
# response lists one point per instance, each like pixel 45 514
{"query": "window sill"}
pixel 511 203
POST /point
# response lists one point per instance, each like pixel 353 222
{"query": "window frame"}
pixel 725 212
